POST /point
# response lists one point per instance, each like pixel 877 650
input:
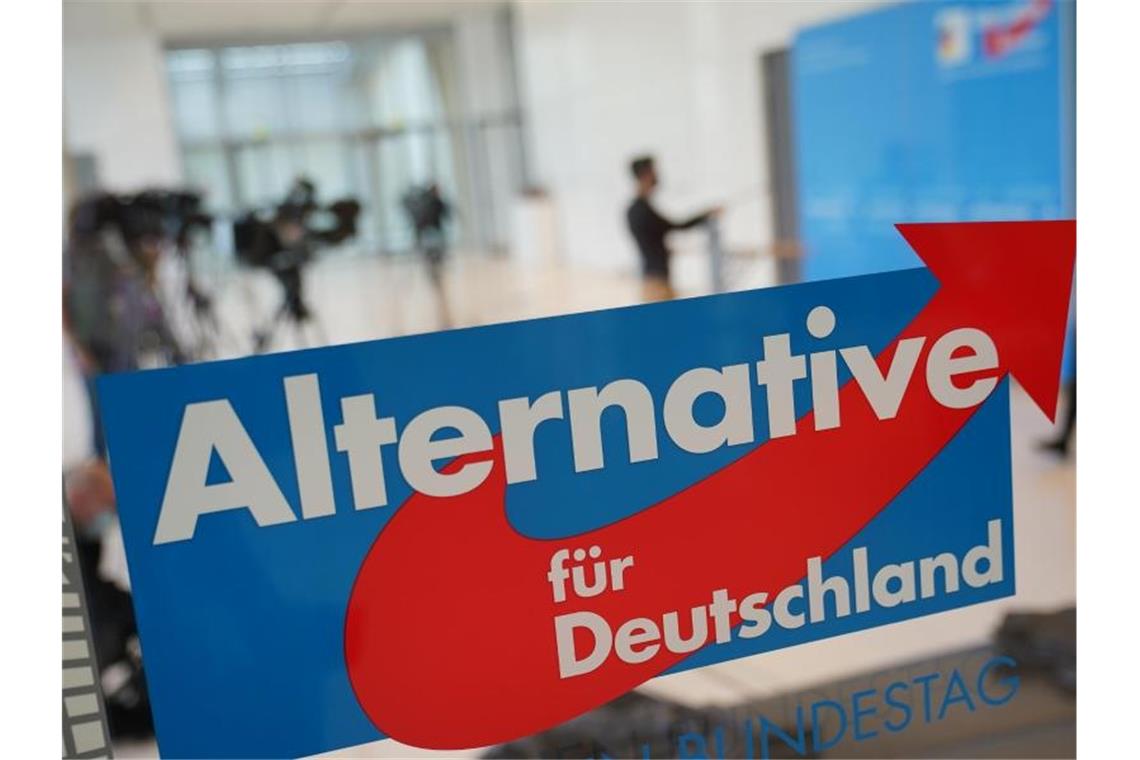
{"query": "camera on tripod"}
pixel 284 240
pixel 152 216
pixel 114 245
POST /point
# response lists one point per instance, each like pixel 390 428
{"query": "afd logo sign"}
pixel 980 33
pixel 462 538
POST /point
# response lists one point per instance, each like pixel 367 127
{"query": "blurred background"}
pixel 243 177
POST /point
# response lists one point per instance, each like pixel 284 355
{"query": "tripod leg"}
pixel 310 332
pixel 319 331
pixel 299 333
pixel 263 337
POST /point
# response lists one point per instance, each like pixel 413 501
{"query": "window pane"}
pixel 195 109
pixel 406 161
pixel 253 118
pixel 451 174
pixel 206 171
pixel 325 162
pixel 503 177
pixel 318 102
pixel 193 94
pixel 362 172
pixel 255 106
pixel 190 64
pixel 265 171
pixel 404 90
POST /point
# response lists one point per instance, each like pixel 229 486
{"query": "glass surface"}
pixel 205 169
pixel 370 120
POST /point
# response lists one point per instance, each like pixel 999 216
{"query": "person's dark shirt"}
pixel 649 230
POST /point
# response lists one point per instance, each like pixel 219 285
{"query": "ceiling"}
pixel 183 21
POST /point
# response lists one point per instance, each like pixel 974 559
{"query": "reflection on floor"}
pixel 366 298
pixel 356 299
pixel 360 297
pixel 969 703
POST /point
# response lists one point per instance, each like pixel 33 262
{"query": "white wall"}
pixel 116 108
pixel 602 82
pixel 483 62
pixel 482 51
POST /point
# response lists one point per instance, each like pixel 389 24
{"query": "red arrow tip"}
pixel 1014 279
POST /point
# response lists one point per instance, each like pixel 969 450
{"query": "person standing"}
pixel 650 228
pixel 428 212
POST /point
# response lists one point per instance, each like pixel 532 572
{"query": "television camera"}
pixel 286 239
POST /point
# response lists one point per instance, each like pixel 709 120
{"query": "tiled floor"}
pixel 360 298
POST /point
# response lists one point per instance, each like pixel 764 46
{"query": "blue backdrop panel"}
pixel 932 111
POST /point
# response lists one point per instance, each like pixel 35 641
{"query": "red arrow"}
pixel 449 635
pixel 998 39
